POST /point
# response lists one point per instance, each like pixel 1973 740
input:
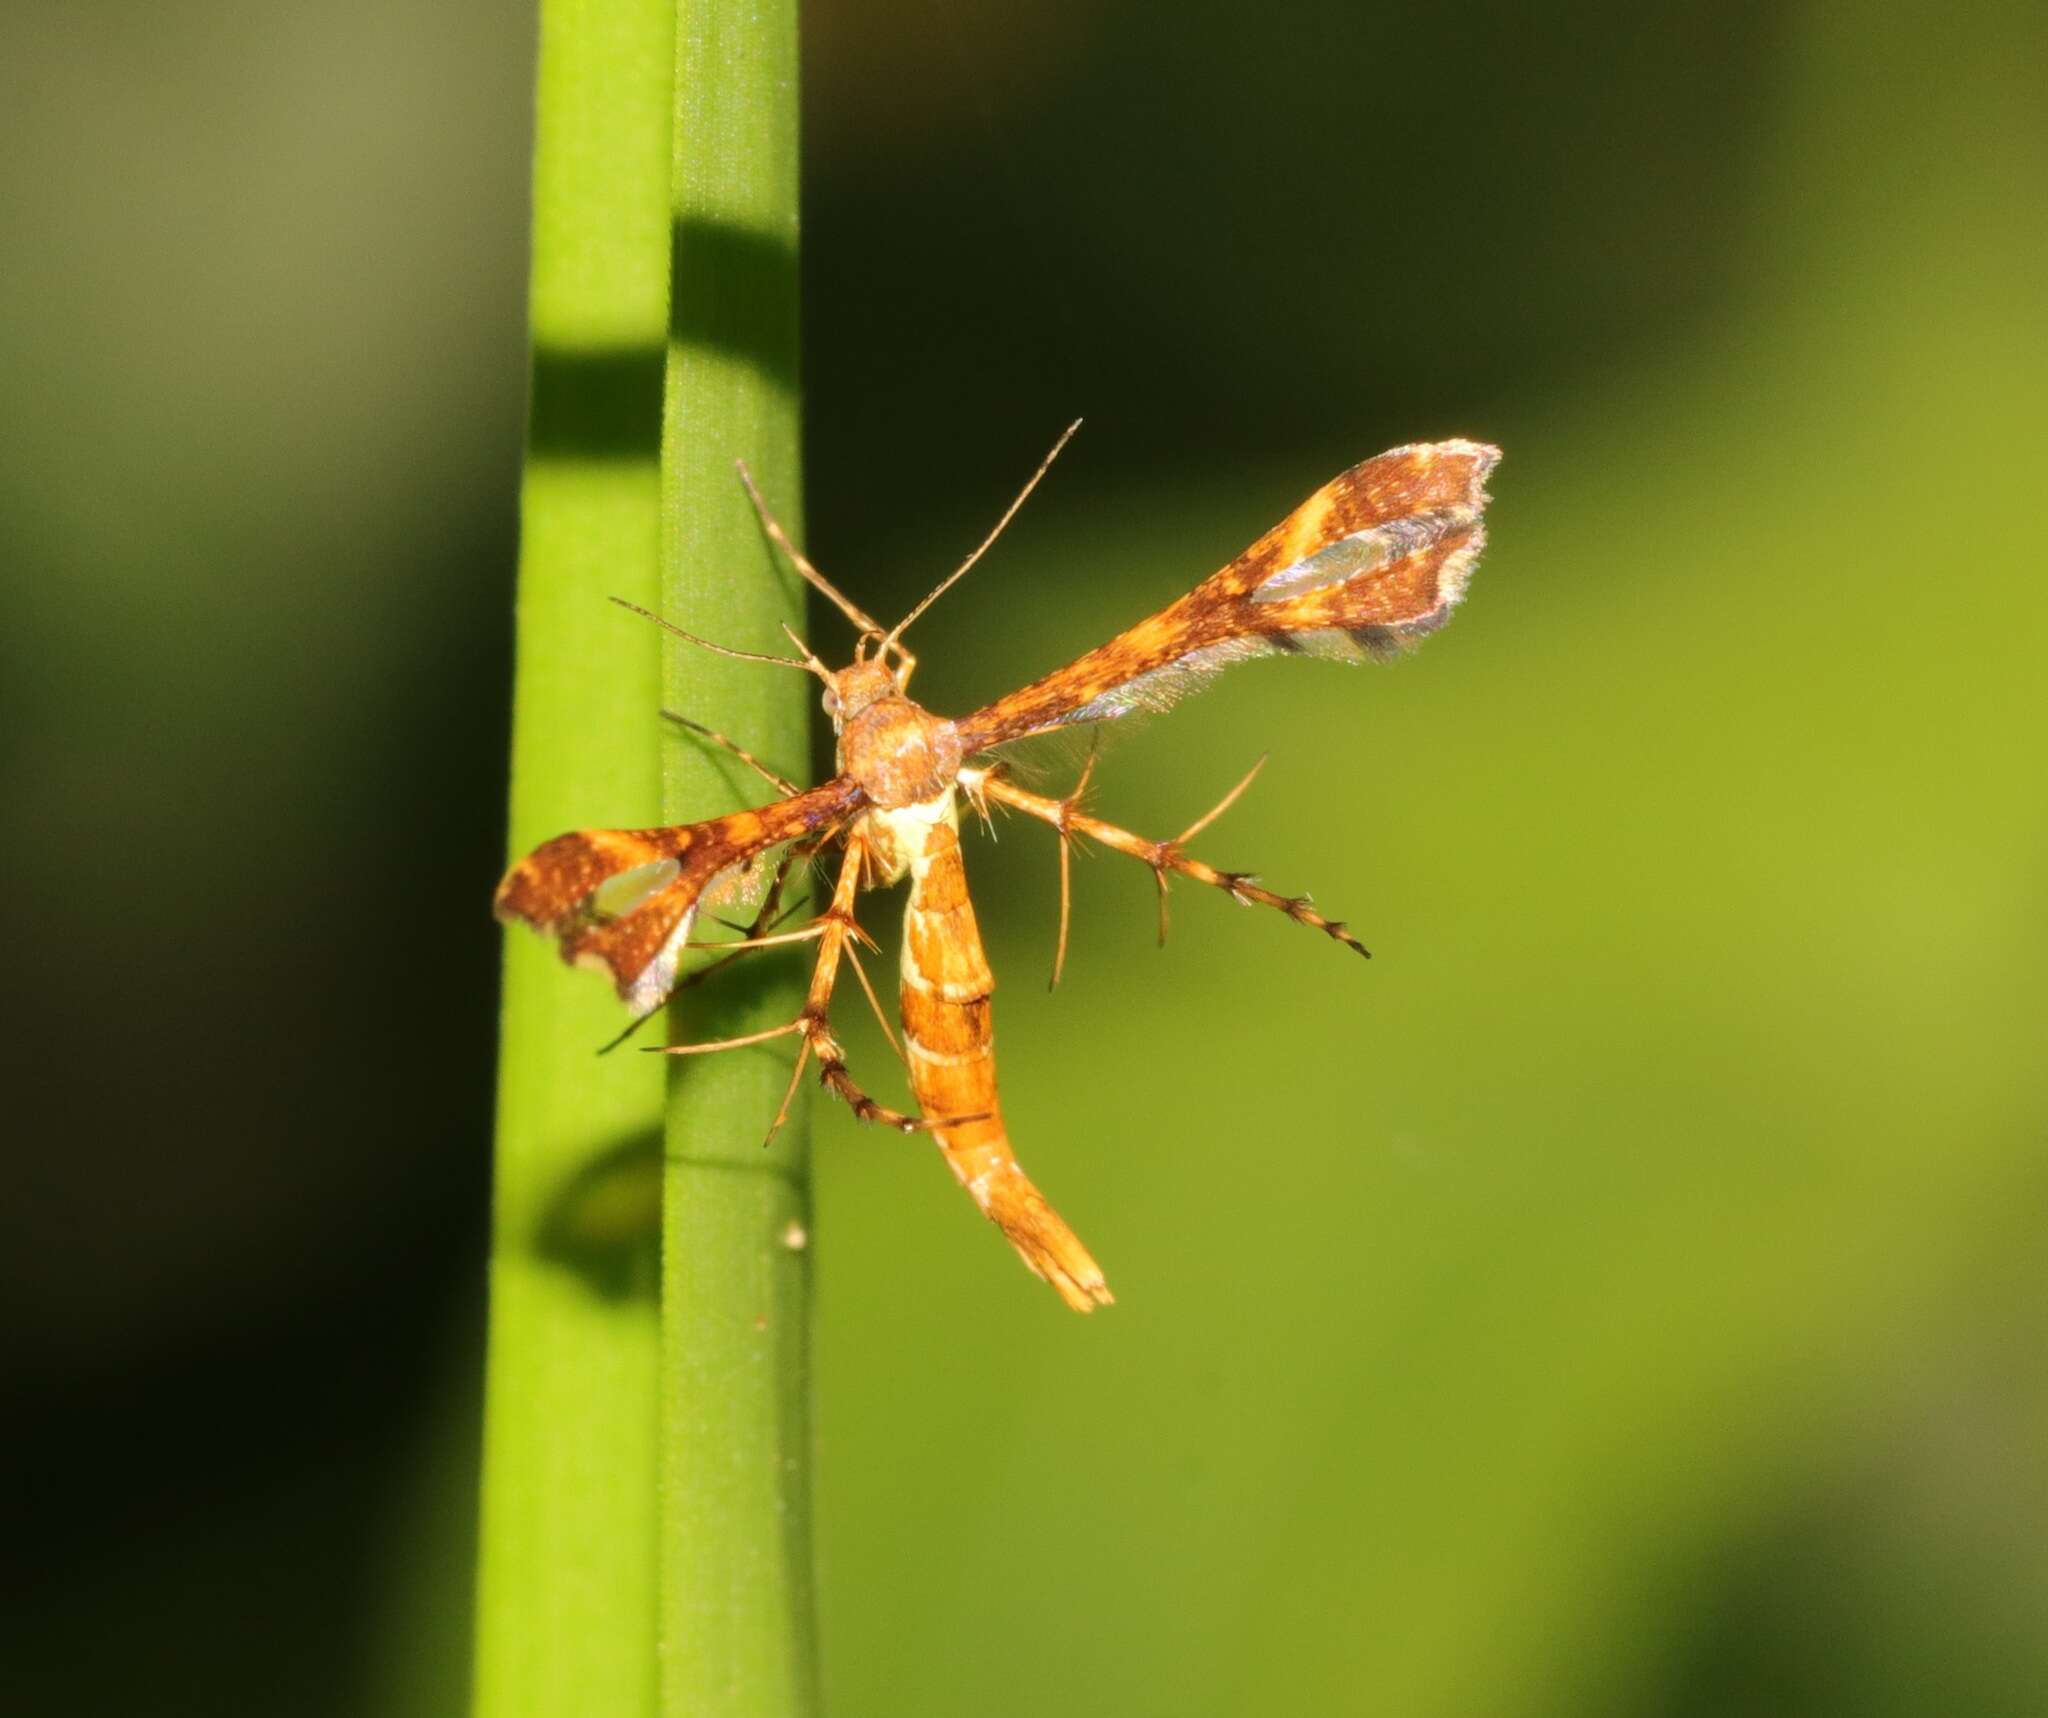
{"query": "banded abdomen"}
pixel 949 1040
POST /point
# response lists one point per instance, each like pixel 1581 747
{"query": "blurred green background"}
pixel 1625 1296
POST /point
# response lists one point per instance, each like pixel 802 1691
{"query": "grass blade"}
pixel 735 1560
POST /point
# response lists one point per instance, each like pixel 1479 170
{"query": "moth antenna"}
pixel 961 571
pixel 787 788
pixel 780 538
pixel 810 660
pixel 813 666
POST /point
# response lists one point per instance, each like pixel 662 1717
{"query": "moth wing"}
pixel 1367 566
pixel 622 901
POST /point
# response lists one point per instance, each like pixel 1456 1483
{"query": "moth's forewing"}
pixel 622 901
pixel 1371 562
pixel 1405 484
pixel 1374 592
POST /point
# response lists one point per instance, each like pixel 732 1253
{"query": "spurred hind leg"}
pixel 1162 856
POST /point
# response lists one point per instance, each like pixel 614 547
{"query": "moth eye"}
pixel 832 703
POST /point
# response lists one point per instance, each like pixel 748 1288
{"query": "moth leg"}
pixel 711 1046
pixel 764 921
pixel 1069 806
pixel 743 935
pixel 788 789
pixel 813 1023
pixel 1166 857
pixel 780 939
pixel 837 934
pixel 875 1003
pixel 751 937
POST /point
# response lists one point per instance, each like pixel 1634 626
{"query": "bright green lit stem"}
pixel 566 1596
pixel 735 1558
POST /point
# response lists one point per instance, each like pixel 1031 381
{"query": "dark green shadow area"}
pixel 596 403
pixel 734 290
pixel 604 1223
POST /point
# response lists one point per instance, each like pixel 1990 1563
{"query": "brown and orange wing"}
pixel 622 900
pixel 1371 563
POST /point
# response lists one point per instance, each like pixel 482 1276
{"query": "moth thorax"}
pixel 899 753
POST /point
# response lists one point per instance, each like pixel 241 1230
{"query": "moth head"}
pixel 869 680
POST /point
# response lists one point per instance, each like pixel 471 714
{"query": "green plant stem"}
pixel 567 1568
pixel 735 1559
pixel 645 1484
